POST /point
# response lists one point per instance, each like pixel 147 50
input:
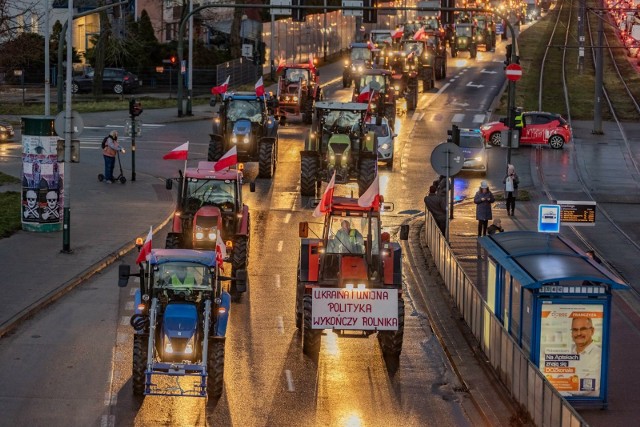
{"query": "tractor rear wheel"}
pixel 140 347
pixel 473 52
pixel 215 368
pixel 267 161
pixel 239 261
pixel 307 111
pixel 298 308
pixel 366 174
pixel 311 338
pixel 308 175
pixel 215 149
pixel 173 241
pixel 391 341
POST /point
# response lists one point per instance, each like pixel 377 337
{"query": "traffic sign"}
pixel 281 11
pixel 352 12
pixel 513 72
pixel 447 159
pixel 77 124
pixel 548 218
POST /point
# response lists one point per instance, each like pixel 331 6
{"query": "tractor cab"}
pixel 298 90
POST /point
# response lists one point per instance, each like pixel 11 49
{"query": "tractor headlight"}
pixel 189 348
pixel 168 348
pixel 212 235
pixel 346 62
pixel 199 235
pixel 345 157
pixel 246 139
pixel 295 99
pixel 234 139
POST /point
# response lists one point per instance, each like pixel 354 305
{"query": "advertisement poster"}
pixel 571 347
pixel 359 309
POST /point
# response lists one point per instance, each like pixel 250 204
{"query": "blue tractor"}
pixel 180 321
pixel 246 121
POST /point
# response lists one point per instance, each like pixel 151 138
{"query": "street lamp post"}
pixel 190 75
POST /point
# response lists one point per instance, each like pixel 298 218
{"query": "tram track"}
pixel 612 227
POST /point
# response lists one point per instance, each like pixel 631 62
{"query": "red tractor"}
pixel 350 279
pixel 298 90
pixel 210 203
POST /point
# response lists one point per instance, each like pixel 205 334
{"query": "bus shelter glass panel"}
pixel 516 291
pixel 492 278
pixel 571 342
pixel 527 321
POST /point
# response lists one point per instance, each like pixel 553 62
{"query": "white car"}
pixel 385 136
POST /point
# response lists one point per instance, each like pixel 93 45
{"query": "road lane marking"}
pixel 277 278
pixel 287 373
pixel 124 320
pixel 132 292
pixel 458 118
pixel 287 218
pixel 122 337
pixel 108 421
pixel 129 306
pixel 280 243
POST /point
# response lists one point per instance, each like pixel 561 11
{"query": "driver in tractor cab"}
pixel 348 240
pixel 182 276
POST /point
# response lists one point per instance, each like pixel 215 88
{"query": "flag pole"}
pixel 185 171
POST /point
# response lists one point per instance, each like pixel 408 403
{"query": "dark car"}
pixel 6 131
pixel 116 80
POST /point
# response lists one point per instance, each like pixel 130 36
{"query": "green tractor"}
pixel 338 142
pixel 486 32
pixel 464 39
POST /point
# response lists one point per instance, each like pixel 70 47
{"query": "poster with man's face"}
pixel 571 347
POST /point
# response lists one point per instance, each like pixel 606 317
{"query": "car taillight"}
pixel 126 78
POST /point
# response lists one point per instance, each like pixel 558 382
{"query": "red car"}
pixel 539 128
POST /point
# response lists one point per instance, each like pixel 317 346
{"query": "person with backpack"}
pixel 110 148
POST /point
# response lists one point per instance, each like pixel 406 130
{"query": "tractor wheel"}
pixel 310 337
pixel 298 308
pixel 444 70
pixel 215 368
pixel 308 176
pixel 346 82
pixel 267 161
pixel 473 52
pixel 140 347
pixel 215 149
pixel 391 341
pixel 173 241
pixel 454 52
pixel 307 111
pixel 366 174
pixel 390 164
pixel 239 261
pixel 412 99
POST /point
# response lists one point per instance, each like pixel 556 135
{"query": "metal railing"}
pixel 526 384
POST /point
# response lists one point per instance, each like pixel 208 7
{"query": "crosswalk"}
pixel 455 118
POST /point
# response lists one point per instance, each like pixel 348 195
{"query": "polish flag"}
pixel 365 95
pixel 371 197
pixel 221 252
pixel 327 197
pixel 178 153
pixel 398 32
pixel 260 87
pixel 281 64
pixel 145 251
pixel 419 34
pixel 219 90
pixel 311 64
pixel 229 159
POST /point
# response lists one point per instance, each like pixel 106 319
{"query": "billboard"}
pixel 355 309
pixel 571 336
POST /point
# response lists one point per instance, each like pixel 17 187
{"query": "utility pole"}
pixel 190 75
pixel 66 221
pixel 581 18
pixel 47 69
pixel 597 107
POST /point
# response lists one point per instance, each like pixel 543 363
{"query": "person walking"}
pixel 483 200
pixel 511 182
pixel 109 151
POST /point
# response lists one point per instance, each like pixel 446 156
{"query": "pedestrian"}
pixel 495 227
pixel 109 151
pixel 511 182
pixel 483 200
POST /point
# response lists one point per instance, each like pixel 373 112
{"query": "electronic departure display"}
pixel 577 213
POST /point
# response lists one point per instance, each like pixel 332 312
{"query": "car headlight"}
pixel 485 127
pixel 234 139
pixel 384 146
pixel 478 158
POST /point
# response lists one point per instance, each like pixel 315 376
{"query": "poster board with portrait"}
pixel 571 342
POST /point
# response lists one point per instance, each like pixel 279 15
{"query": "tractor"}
pixel 405 72
pixel 435 53
pixel 298 90
pixel 246 121
pixel 210 203
pixel 350 279
pixel 383 95
pixel 180 322
pixel 338 142
pixel 360 58
pixel 464 39
pixel 486 32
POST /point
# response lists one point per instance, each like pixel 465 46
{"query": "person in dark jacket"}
pixel 437 205
pixel 511 182
pixel 483 200
pixel 495 227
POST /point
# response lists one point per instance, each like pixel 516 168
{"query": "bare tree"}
pixel 17 16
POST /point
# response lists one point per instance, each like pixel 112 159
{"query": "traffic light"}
pixel 453 135
pixel 508 54
pixel 298 15
pixel 370 16
pixel 135 108
pixel 173 60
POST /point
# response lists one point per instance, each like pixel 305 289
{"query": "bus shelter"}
pixel 555 301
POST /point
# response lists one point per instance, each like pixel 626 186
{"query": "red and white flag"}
pixel 312 65
pixel 145 251
pixel 219 90
pixel 229 159
pixel 260 87
pixel 221 252
pixel 178 153
pixel 418 35
pixel 281 64
pixel 365 94
pixel 371 197
pixel 398 32
pixel 327 197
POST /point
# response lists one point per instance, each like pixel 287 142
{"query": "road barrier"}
pixel 526 384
